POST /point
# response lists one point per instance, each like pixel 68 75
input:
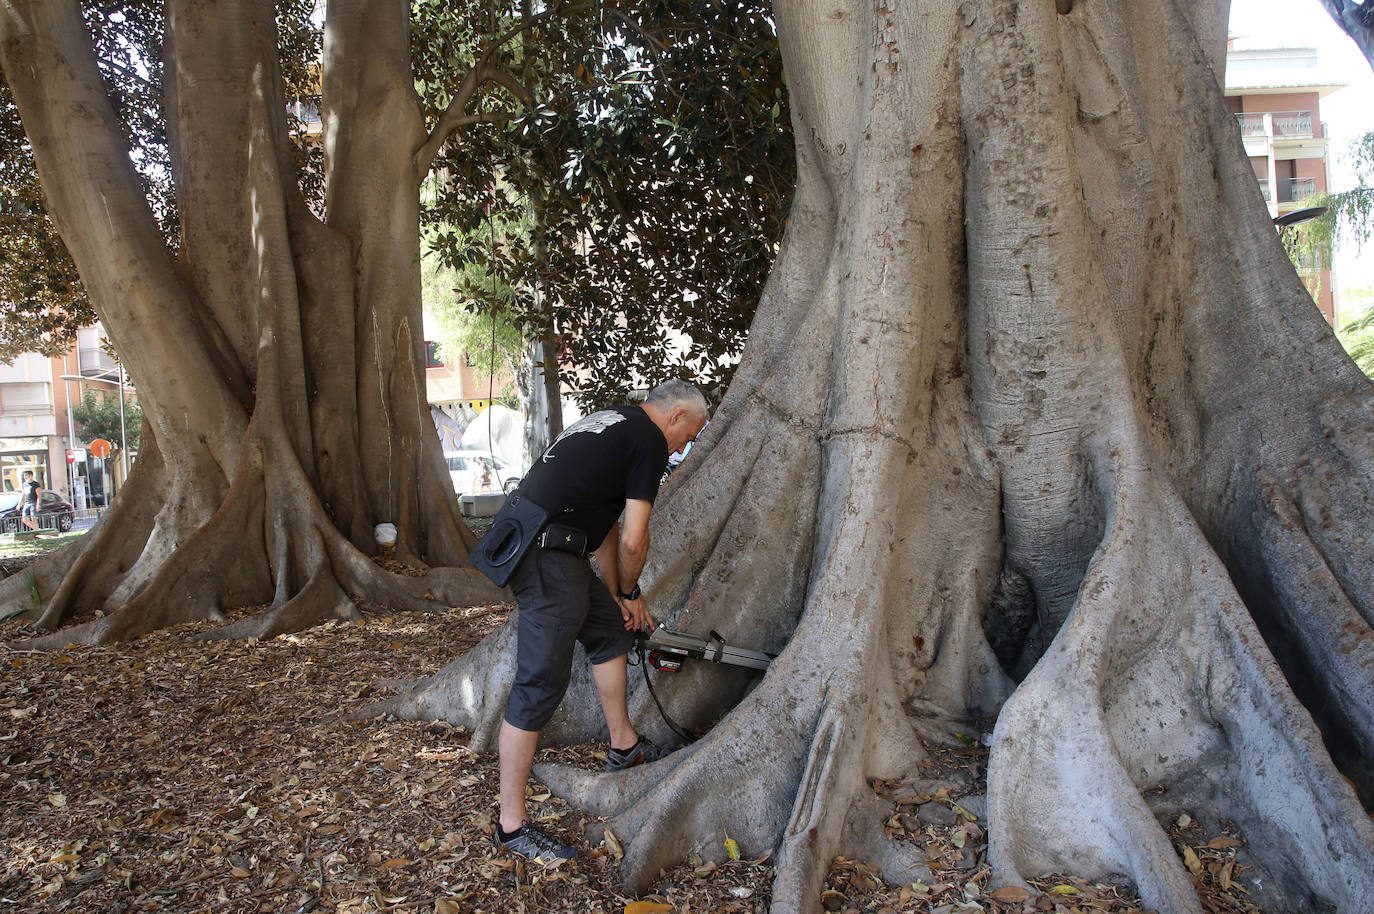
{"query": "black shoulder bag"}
pixel 512 533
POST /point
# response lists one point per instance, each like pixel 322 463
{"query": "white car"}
pixel 475 472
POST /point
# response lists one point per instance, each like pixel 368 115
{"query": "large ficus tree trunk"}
pixel 1035 422
pixel 279 356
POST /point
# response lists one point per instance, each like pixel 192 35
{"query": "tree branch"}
pixel 453 116
pixel 1357 21
pixel 483 72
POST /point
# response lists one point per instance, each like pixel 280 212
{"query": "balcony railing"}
pixel 1264 189
pixel 95 361
pixel 1279 124
pixel 1292 123
pixel 1291 190
pixel 1307 261
pixel 305 111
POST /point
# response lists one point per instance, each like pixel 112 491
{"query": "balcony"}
pixel 1264 189
pixel 96 362
pixel 1277 124
pixel 307 113
pixel 1295 190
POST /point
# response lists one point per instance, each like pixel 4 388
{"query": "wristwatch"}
pixel 634 593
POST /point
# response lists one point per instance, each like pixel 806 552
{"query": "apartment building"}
pixel 1275 94
pixel 36 425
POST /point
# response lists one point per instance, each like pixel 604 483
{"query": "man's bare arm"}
pixel 631 552
pixel 608 559
pixel 634 541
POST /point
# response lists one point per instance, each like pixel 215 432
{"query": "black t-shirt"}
pixel 584 477
pixel 31 492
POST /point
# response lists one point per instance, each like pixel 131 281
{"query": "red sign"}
pixel 71 456
pixel 100 447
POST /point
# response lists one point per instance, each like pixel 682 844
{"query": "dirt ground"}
pixel 182 775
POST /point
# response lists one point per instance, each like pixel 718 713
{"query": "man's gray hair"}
pixel 671 394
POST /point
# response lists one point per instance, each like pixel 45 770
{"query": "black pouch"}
pixel 564 539
pixel 512 533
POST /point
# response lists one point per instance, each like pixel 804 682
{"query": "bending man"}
pixel 607 464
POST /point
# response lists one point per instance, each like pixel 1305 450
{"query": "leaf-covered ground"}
pixel 172 774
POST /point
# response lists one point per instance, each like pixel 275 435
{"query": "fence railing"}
pixel 1276 123
pixel 1292 190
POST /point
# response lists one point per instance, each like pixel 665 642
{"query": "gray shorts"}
pixel 561 602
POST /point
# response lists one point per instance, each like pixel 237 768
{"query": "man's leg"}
pixel 516 748
pixel 610 685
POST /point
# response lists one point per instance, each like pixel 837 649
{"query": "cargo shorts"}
pixel 561 602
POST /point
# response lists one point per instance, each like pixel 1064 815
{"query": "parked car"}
pixel 479 471
pixel 54 512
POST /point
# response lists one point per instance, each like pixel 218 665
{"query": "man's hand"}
pixel 636 615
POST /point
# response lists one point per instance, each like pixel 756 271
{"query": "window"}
pixel 25 398
pixel 432 355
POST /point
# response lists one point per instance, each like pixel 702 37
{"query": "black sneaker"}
pixel 641 752
pixel 533 844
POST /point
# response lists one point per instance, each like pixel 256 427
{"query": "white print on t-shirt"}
pixel 596 423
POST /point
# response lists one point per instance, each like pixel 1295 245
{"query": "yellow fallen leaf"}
pixel 240 873
pixel 395 862
pixel 1062 889
pixel 446 906
pixel 613 845
pixel 1190 860
pixel 732 848
pixel 1223 841
pixel 647 907
pixel 963 812
pixel 65 858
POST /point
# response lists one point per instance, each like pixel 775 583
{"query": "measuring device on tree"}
pixel 666 649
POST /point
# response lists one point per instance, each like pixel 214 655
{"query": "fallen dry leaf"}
pixel 1011 894
pixel 1190 860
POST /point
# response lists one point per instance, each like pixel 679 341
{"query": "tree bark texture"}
pixel 1035 422
pixel 279 357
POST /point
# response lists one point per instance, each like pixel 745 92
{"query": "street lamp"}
pixel 1297 217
